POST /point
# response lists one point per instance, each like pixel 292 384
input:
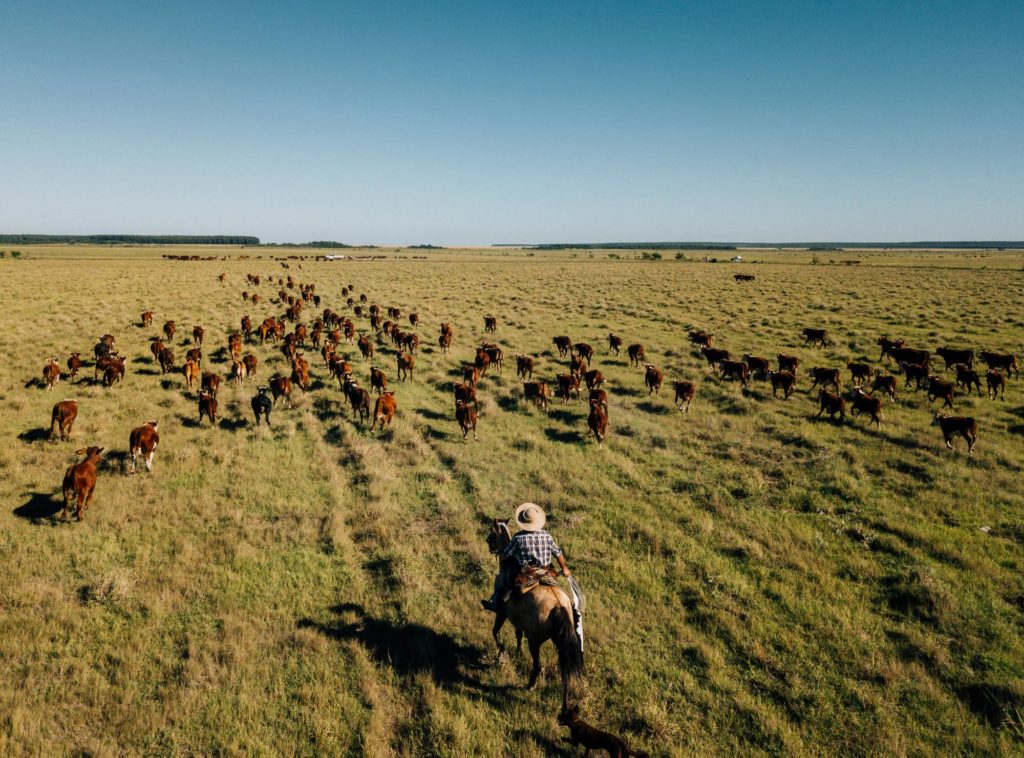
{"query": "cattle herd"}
pixel 330 332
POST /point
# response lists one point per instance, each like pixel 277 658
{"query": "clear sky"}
pixel 460 123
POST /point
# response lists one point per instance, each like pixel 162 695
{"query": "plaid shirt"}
pixel 532 548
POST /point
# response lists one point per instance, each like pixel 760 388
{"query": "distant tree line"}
pixel 628 246
pixel 328 244
pixel 126 239
pixel 425 247
pixel 936 245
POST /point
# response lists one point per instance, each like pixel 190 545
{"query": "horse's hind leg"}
pixel 535 653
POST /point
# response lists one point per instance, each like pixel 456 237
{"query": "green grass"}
pixel 758 580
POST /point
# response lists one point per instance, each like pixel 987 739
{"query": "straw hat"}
pixel 530 517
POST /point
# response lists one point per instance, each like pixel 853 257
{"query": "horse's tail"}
pixel 570 652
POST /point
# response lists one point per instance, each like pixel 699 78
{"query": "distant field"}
pixel 758 580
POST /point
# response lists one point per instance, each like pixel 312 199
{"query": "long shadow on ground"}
pixel 39 506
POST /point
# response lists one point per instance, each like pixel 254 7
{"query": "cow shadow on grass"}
pixel 189 422
pixel 626 391
pixel 232 424
pixel 508 402
pixel 146 372
pixel 648 406
pixel 564 415
pixel 38 434
pixel 570 436
pixel 39 506
pixel 410 650
pixel 432 415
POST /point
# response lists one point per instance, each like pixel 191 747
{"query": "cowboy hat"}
pixel 530 517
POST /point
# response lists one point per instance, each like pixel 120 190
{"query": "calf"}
pixel 967 376
pixel 359 399
pixel 823 376
pixel 568 385
pixel 113 369
pixel 1005 361
pixel 250 362
pixel 483 360
pixel 576 365
pixel 207 407
pixel 584 351
pixel 996 384
pixel 378 380
pixel 211 383
pixel 912 355
pixel 700 338
pixel 599 396
pixel 155 346
pixel 490 324
pixel 888 346
pixel 51 373
pixel 144 440
pixel 684 394
pixel 713 355
pixel 365 347
pixel 80 481
pixel 636 354
pixel 784 380
pixel 384 410
pixel 169 329
pixel 952 356
pixel 411 342
pixel 614 343
pixel 817 337
pixel 594 378
pixel 940 388
pixel 63 418
pixel 194 354
pixel 653 379
pixel 261 405
pixel 885 383
pixel 465 414
pixel 867 404
pixel 735 370
pixel 760 366
pixel 951 426
pixel 300 372
pixel 191 371
pixel 166 359
pixel 445 342
pixel 537 392
pixel 832 404
pixel 281 386
pixel 471 375
pixel 406 363
pixel 788 363
pixel 147 318
pixel 860 372
pixel 238 372
pixel 524 367
pixel 464 393
pixel 598 423
pixel 197 335
pixel 915 372
pixel 74 363
pixel 495 354
pixel 564 345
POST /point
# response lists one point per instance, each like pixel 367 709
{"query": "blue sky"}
pixel 461 123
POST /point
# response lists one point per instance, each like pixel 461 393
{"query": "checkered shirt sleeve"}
pixel 532 548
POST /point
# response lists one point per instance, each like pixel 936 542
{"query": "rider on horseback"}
pixel 532 546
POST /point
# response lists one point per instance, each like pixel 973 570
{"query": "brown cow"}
pixel 967 376
pixel 113 368
pixel 411 342
pixel 653 379
pixel 735 369
pixel 197 335
pixel 207 407
pixel 863 403
pixel 889 346
pixel 537 392
pixel 860 372
pixel 471 375
pixel 144 440
pixel 169 329
pixel 817 337
pixel 147 318
pixel 823 376
pixel 365 347
pixel 495 354
pixel 238 372
pixel 564 345
pixel 951 426
pixel 953 356
pixel 155 346
pixel 599 396
pixel 786 380
pixel 594 378
pixel 524 367
pixel 378 380
pixel 191 371
pixel 576 365
pixel 80 481
pixel 758 366
pixel 359 399
pixel 996 384
pixel 1005 361
pixel 74 363
pixel 568 385
pixel 250 362
pixel 51 373
pixel 788 363
pixel 885 383
pixel 194 354
pixel 406 363
pixel 483 360
pixel 915 372
pixel 465 414
pixel 614 343
pixel 384 410
pixel 636 354
pixel 713 355
pixel 940 388
pixel 300 372
pixel 490 324
pixel 700 338
pixel 210 383
pixel 235 345
pixel 63 418
pixel 684 394
pixel 166 360
pixel 584 351
pixel 912 355
pixel 445 340
pixel 598 423
pixel 464 393
pixel 832 404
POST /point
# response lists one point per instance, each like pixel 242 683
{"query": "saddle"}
pixel 531 576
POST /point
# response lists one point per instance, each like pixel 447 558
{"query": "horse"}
pixel 542 613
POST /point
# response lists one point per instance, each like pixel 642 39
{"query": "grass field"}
pixel 758 580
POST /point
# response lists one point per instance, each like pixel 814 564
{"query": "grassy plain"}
pixel 758 580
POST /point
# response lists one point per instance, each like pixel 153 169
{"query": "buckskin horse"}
pixel 541 612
